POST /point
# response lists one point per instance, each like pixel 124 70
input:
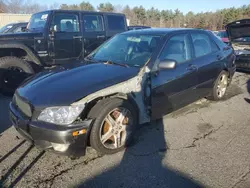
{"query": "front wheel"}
pixel 114 125
pixel 220 87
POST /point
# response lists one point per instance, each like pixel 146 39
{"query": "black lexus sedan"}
pixel 133 78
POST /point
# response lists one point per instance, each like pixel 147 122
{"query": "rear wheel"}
pixel 220 86
pixel 12 72
pixel 115 123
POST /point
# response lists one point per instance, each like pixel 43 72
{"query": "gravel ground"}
pixel 206 144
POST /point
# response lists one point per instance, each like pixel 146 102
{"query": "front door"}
pixel 94 31
pixel 65 37
pixel 174 88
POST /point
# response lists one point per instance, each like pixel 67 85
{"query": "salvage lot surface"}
pixel 205 144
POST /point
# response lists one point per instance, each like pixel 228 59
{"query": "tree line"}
pixel 169 18
pixel 139 15
pixel 24 6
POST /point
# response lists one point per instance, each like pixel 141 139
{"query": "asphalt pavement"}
pixel 206 144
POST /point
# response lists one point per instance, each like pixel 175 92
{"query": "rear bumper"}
pixel 46 136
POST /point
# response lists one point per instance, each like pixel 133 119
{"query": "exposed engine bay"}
pixel 241 48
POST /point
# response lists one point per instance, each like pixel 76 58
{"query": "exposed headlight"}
pixel 62 115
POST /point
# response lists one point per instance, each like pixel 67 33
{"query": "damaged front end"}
pixel 136 89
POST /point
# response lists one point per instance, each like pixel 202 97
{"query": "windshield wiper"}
pixel 114 63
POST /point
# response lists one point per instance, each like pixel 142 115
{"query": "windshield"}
pixel 6 28
pixel 222 34
pixel 37 22
pixel 127 49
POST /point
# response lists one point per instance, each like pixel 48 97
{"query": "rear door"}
pixel 208 59
pixel 115 23
pixel 94 31
pixel 174 88
pixel 66 37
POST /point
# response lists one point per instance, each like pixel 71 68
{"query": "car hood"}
pixel 238 29
pixel 19 36
pixel 64 86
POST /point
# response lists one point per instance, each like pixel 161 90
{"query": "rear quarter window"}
pixel 116 22
pixel 219 42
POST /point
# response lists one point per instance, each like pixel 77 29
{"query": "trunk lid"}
pixel 238 29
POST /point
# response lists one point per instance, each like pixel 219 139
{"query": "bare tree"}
pixel 106 7
pixel 54 6
pixel 118 8
pixel 86 6
pixel 3 7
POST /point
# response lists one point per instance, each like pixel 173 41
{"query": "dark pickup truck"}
pixel 53 38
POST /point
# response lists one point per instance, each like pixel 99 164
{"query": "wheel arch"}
pixel 123 96
pixel 19 49
pixel 128 97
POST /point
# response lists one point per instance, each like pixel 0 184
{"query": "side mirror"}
pixel 54 29
pixel 167 64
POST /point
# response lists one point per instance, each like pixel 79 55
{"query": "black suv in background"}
pixel 54 37
pixel 14 28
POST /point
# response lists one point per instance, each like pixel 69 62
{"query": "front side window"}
pixel 65 23
pixel 132 50
pixel 93 23
pixel 37 22
pixel 203 45
pixel 116 22
pixel 177 48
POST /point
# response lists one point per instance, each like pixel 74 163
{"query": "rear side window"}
pixel 178 48
pixel 203 45
pixel 116 22
pixel 93 23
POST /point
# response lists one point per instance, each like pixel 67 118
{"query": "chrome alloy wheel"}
pixel 222 85
pixel 115 128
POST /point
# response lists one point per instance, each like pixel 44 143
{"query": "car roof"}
pixel 139 26
pixel 16 23
pixel 160 31
pixel 82 11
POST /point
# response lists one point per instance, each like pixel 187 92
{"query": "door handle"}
pixel 191 67
pixel 101 36
pixel 77 37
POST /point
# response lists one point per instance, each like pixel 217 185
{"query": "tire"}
pixel 99 112
pixel 8 66
pixel 215 94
